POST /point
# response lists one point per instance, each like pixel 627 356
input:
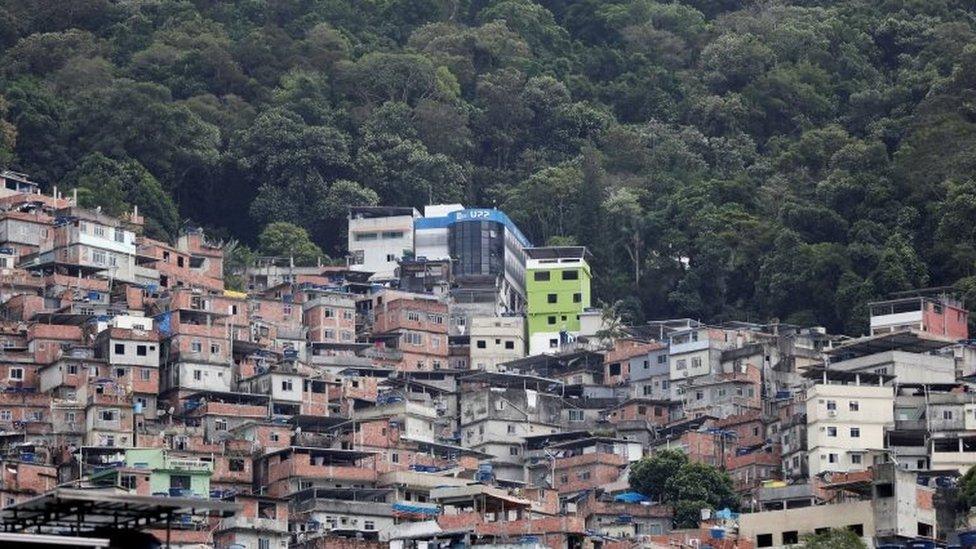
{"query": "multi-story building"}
pixel 379 237
pixel 557 291
pixel 847 416
pixel 940 316
pixel 495 340
pixel 417 328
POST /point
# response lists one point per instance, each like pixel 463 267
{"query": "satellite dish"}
pixel 171 410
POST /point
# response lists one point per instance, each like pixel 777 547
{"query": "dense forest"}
pixel 723 159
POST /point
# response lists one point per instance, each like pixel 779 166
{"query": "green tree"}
pixel 649 476
pixel 281 239
pixel 835 538
pixel 118 185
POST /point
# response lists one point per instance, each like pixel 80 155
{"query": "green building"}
pixel 557 290
pixel 175 476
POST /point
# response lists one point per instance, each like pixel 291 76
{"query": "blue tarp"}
pixel 164 323
pixel 631 497
pixel 416 509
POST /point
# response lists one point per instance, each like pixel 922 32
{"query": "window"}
pixel 571 275
pixel 220 424
pixel 99 258
pixel 511 429
pixel 542 276
pixel 369 525
pixel 614 369
pixel 235 464
pixel 577 298
pixel 855 432
pixel 72 369
pixel 366 236
pixel 853 406
pixel 286 385
pixel 791 537
pixel 857 529
pixel 141 350
pixel 98 230
pixel 196 346
pixel 551 320
pixel 551 298
pixel 553 343
pixel 214 349
pixel 197 375
pixel 681 364
pixel 831 431
pixel 145 374
pixel 5 415
pixel 509 345
pixel 69 417
pixel 128 482
pixel 120 372
pixel 764 540
pixel 274 437
pixel 392 234
pixel 513 450
pixel 946 414
pixel 699 395
pixel 832 458
pixel 395 457
pixel 696 362
pixel 831 405
pixel 855 459
pixel 109 415
pixel 119 349
pixel 391 257
pixel 16 373
pixel 576 415
pixel 642 410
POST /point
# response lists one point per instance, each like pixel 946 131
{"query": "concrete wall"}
pixel 874 412
pixel 806 520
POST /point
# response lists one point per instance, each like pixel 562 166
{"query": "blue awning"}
pixel 631 497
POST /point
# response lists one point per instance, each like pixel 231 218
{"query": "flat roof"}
pixel 557 252
pixel 584 442
pixel 368 212
pixel 317 422
pixel 866 378
pixel 334 453
pixel 345 494
pixel 78 511
pixel 500 379
pixel 902 340
pixel 231 397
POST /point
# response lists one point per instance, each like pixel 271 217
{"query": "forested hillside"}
pixel 721 158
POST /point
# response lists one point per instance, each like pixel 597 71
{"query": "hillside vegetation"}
pixel 721 158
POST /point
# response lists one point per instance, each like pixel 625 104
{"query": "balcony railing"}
pixel 254 524
pixel 187 465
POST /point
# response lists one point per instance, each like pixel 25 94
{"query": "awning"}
pixel 75 512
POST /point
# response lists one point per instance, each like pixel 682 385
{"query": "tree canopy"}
pixel 721 160
pixel 669 477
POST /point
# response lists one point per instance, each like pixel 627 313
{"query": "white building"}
pixel 430 239
pixel 379 236
pixel 847 414
pixel 495 341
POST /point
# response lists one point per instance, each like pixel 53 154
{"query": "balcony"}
pixel 188 465
pixel 249 523
pixel 383 353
